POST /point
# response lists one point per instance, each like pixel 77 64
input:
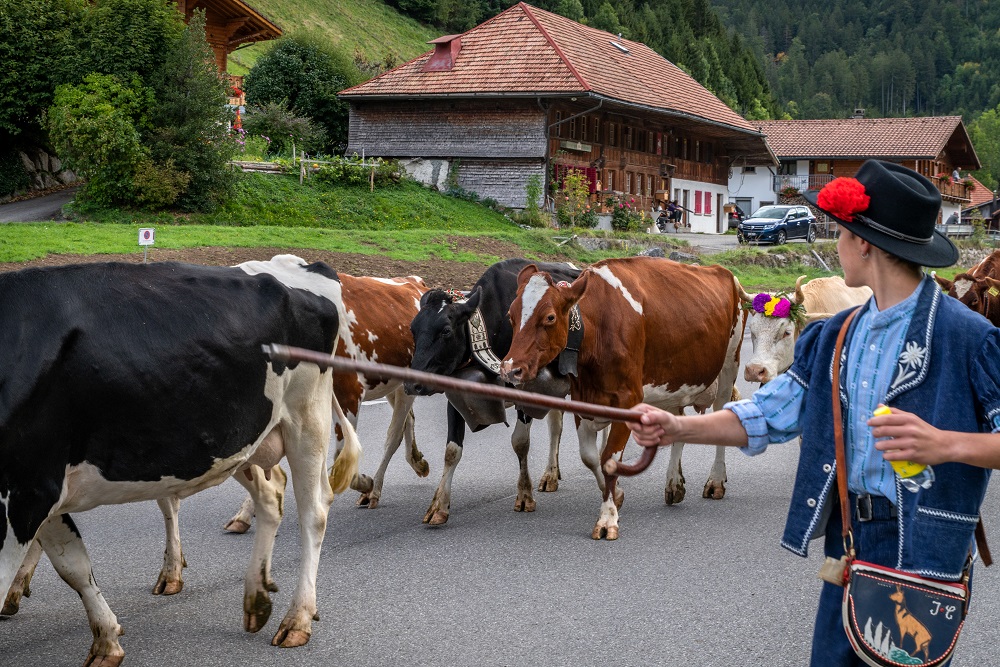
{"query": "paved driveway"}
pixel 38 209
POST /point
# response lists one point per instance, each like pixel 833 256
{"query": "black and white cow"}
pixel 126 382
pixel 467 339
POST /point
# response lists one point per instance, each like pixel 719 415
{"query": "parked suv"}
pixel 777 224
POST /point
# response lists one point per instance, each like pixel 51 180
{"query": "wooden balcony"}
pixel 951 190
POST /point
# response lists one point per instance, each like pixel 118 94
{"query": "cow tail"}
pixel 345 466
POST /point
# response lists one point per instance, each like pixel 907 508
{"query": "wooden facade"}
pixel 497 144
pixel 230 24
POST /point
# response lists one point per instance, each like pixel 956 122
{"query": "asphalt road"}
pixel 39 209
pixel 700 583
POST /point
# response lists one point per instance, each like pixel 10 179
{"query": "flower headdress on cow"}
pixel 778 306
pixel 893 208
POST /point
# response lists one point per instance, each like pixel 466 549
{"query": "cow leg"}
pixel 400 427
pixel 306 455
pixel 521 442
pixel 437 513
pixel 268 501
pixel 607 522
pixel 170 580
pixel 64 547
pixel 550 479
pixel 675 490
pixel 240 523
pixel 715 487
pixel 22 580
pixel 586 432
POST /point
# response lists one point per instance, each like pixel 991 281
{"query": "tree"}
pixel 190 129
pixel 607 19
pixel 985 135
pixel 307 76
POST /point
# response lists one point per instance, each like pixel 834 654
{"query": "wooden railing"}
pixel 949 188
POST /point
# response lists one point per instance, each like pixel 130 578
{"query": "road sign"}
pixel 147 235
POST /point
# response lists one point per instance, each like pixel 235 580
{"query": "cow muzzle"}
pixel 515 374
pixel 757 373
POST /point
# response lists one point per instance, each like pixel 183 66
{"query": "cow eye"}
pixel 446 332
pixel 550 319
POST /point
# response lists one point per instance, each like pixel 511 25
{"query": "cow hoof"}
pixel 11 605
pixel 286 638
pixel 548 483
pixel 524 505
pixel 256 611
pixel 672 496
pixel 373 503
pixel 606 532
pixel 713 491
pixel 104 660
pixel 165 586
pixel 363 500
pixel 436 518
pixel 238 526
pixel 421 467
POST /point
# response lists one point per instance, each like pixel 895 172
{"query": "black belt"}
pixel 867 507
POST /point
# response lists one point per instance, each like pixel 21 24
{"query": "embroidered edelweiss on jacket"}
pixel 911 359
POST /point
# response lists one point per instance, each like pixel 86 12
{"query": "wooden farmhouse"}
pixel 531 93
pixel 230 24
pixel 811 153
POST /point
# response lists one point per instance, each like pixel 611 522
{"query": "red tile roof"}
pixel 912 138
pixel 528 51
pixel 980 193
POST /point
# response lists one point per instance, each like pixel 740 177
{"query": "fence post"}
pixel 302 168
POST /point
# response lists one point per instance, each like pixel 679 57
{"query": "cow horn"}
pixel 744 297
pixel 799 296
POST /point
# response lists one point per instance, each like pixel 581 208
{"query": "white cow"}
pixel 773 338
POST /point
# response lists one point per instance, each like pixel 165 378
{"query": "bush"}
pixel 95 128
pixel 13 175
pixel 626 217
pixel 275 121
pixel 354 172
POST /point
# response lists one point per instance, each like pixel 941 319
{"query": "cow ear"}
pixel 574 292
pixel 526 273
pixel 945 284
pixel 471 303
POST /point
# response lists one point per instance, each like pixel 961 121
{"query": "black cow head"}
pixel 440 335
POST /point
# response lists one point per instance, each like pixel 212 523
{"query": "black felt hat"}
pixel 893 208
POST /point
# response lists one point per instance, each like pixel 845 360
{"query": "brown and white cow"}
pixel 773 338
pixel 978 288
pixel 654 330
pixel 374 326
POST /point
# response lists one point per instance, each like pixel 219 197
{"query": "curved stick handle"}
pixel 618 469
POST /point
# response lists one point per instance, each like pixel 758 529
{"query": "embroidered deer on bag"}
pixel 909 625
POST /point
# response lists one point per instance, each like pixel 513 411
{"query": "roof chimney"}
pixel 445 52
pixel 858 113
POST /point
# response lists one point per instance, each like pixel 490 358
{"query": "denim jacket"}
pixel 949 375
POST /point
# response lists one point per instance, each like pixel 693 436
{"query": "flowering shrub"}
pixel 572 206
pixel 626 216
pixel 790 191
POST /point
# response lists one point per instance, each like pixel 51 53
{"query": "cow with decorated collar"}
pixel 775 321
pixel 978 288
pixel 654 330
pixel 466 338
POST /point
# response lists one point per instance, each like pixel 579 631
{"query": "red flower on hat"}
pixel 843 197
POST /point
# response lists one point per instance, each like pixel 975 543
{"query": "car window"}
pixel 770 212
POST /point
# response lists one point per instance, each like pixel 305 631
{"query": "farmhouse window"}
pixel 684 148
pixel 584 124
pixel 628 138
pixel 597 130
pixel 659 143
pixel 708 203
pixel 628 182
pixel 610 173
pixel 559 130
pixel 611 135
pixel 697 202
pixel 649 186
pixel 572 128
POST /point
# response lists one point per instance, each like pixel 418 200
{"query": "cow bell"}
pixel 548 383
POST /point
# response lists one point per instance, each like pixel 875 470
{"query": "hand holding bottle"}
pixel 913 476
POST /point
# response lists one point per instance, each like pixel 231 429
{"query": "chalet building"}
pixel 811 153
pixel 531 93
pixel 230 24
pixel 984 203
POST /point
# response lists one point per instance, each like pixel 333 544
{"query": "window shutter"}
pixel 697 202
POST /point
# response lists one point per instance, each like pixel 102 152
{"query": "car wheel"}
pixel 781 237
pixel 811 234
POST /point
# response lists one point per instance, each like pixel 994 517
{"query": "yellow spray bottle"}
pixel 913 476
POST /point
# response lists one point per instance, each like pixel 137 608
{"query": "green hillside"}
pixel 378 31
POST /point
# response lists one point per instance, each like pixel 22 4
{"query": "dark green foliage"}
pixel 95 128
pixel 352 172
pixel 276 122
pixel 13 175
pixel 306 75
pixel 190 131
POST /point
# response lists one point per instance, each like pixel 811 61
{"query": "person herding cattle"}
pixel 934 362
pixel 128 382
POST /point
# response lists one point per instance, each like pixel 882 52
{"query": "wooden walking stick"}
pixel 285 353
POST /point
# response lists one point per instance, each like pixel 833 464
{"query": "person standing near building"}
pixel 910 347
